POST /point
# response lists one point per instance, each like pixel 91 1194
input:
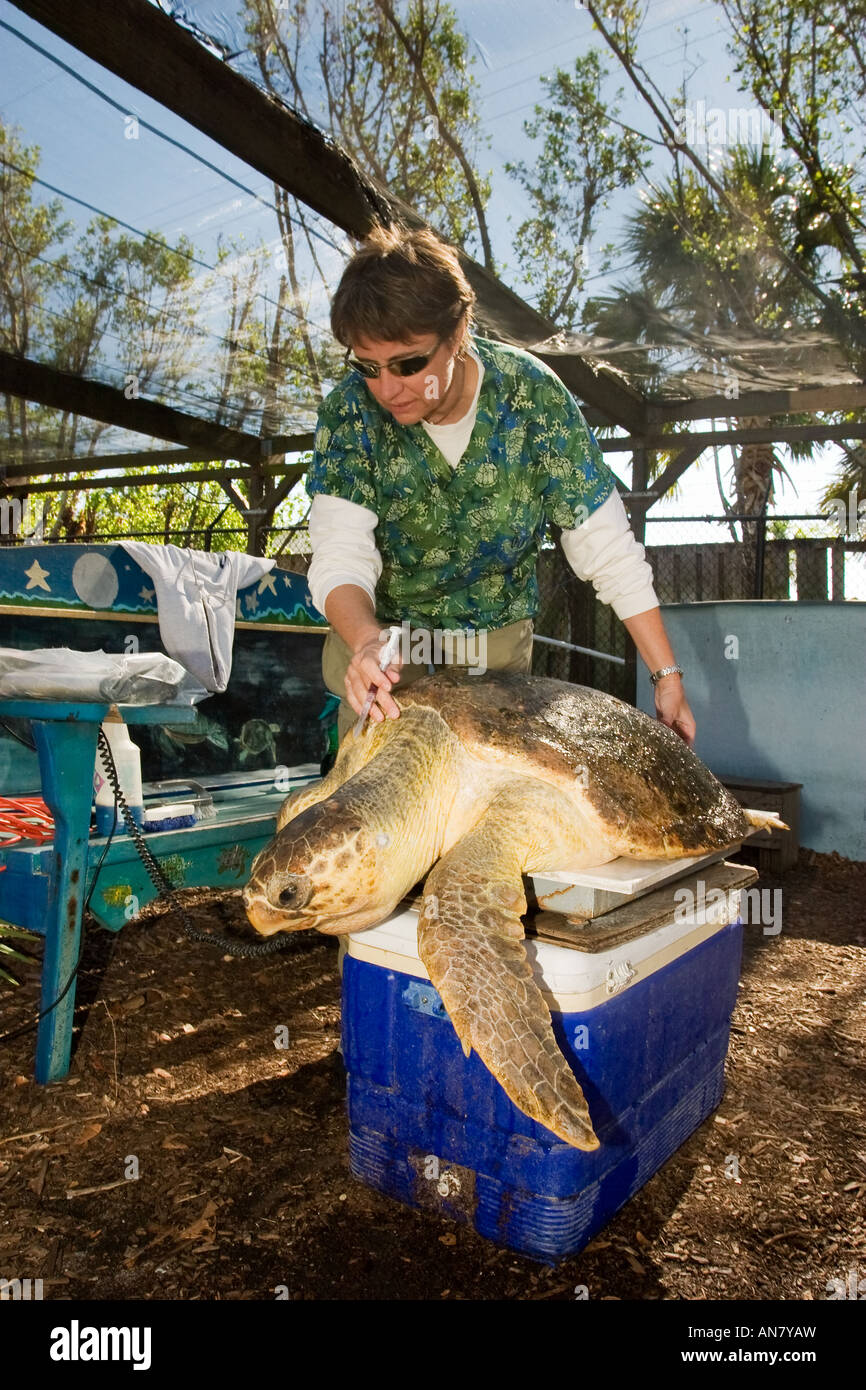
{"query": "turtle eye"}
pixel 295 892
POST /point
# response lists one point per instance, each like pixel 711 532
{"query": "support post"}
pixel 637 518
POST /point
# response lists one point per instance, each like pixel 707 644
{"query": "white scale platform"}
pixel 588 893
pixel 592 892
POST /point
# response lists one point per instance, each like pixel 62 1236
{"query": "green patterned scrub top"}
pixel 460 545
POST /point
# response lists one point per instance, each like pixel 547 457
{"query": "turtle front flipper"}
pixel 353 754
pixel 470 939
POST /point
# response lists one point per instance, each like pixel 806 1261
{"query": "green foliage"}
pixel 184 513
pixel 154 312
pixel 135 310
pixel 8 952
pixel 805 60
pixel 849 486
pixel 391 110
pixel 713 275
pixel 395 129
pixel 582 160
pixel 708 267
pixel 27 231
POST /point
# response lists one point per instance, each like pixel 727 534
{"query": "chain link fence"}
pixel 592 646
pixel 711 558
pixel 290 545
pixel 696 559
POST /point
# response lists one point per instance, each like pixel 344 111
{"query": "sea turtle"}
pixel 483 779
pixel 202 730
pixel 257 740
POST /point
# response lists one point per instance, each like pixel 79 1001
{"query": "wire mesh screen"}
pixel 696 560
pixel 570 613
pixel 580 639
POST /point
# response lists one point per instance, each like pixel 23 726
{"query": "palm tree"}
pixel 849 483
pixel 715 293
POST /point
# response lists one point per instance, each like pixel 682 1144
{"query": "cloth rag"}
pixel 196 592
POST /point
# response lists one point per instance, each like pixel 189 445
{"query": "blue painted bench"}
pixel 45 886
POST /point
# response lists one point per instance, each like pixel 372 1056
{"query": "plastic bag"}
pixel 58 673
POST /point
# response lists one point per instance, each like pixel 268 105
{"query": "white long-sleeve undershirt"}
pixel 603 550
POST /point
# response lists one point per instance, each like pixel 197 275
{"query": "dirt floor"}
pixel 241 1150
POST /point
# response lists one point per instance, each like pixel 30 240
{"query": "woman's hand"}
pixel 648 633
pixel 363 671
pixel 672 708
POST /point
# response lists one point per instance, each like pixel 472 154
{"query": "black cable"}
pixel 26 741
pixel 165 889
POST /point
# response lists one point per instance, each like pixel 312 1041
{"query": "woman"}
pixel 439 461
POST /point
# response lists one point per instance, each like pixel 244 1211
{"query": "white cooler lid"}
pixel 572 980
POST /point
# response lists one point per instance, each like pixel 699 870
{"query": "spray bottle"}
pixel 127 760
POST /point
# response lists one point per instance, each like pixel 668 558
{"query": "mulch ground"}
pixel 240 1149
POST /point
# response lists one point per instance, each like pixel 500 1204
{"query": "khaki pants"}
pixel 508 649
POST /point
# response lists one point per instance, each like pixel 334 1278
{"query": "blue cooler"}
pixel 644 1023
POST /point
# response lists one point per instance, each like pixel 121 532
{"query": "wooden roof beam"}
pixel 228 475
pixel 672 474
pixel 91 463
pixel 779 434
pixel 794 402
pixel 148 458
pixel 34 381
pixel 217 475
pixel 152 52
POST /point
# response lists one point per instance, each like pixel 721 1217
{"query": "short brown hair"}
pixel 402 282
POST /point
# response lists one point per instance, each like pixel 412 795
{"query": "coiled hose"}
pixel 165 889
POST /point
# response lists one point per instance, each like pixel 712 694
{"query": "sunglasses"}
pixel 406 366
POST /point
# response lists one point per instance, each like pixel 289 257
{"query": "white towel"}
pixel 195 596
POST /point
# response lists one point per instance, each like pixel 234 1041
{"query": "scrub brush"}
pixel 201 799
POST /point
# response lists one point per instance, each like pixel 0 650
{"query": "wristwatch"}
pixel 656 676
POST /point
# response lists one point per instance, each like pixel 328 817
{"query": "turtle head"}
pixel 325 869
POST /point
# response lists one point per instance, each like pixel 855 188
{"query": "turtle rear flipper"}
pixel 470 939
pixel 765 820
